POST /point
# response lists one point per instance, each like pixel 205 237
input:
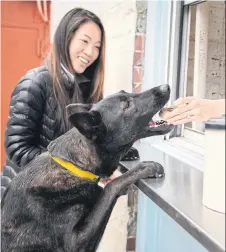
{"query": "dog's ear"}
pixel 89 123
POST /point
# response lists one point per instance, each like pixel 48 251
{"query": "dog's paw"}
pixel 131 155
pixel 152 169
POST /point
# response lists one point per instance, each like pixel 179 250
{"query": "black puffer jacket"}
pixel 32 122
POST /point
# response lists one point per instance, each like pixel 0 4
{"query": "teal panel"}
pixel 158 232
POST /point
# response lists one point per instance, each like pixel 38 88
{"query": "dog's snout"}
pixel 165 88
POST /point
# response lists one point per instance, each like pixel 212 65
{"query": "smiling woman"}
pixel 78 48
pixel 85 46
pixel 73 72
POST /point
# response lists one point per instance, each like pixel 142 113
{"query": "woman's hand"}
pixel 189 109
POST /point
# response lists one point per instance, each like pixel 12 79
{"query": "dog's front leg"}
pixel 84 239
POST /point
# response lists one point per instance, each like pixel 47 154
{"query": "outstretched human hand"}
pixel 190 109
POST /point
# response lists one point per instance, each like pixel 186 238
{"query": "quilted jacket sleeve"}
pixel 26 111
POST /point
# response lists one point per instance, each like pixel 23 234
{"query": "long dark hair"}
pixel 59 55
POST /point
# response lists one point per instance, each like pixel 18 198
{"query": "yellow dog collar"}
pixel 75 170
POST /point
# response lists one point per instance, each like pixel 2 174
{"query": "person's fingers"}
pixel 181 106
pixel 176 119
pixel 183 100
pixel 186 120
pixel 187 114
pixel 189 106
pixel 170 114
pixel 180 110
pixel 183 111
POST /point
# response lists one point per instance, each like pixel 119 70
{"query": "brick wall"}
pixel 138 66
pixel 138 63
pixel 138 73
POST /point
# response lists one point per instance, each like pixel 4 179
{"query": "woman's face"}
pixel 85 46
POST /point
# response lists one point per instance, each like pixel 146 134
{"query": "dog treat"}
pixel 169 109
pixel 165 111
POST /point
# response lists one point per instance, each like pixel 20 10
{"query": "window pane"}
pixel 206 53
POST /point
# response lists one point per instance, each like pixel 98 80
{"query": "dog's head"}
pixel 117 121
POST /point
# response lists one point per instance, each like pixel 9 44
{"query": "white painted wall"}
pixel 119 20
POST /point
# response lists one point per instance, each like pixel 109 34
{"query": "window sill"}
pixel 179 194
pixel 180 147
pixel 184 150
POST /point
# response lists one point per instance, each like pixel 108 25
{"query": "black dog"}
pixel 55 204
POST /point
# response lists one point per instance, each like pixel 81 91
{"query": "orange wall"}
pixel 24 40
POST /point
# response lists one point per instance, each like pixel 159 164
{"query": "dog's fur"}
pixel 47 208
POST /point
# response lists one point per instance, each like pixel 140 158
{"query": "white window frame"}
pixel 172 66
pixel 170 40
pixel 190 141
pixel 193 135
pixel 198 90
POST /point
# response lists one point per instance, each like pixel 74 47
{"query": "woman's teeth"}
pixel 83 60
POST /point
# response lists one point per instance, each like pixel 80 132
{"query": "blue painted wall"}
pixel 158 232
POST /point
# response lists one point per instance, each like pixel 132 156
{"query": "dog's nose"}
pixel 165 88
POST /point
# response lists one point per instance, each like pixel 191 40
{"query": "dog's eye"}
pixel 125 104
